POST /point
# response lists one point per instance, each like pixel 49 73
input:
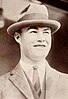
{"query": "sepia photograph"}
pixel 33 49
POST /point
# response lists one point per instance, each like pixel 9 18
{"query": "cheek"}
pixel 29 38
pixel 26 43
pixel 48 40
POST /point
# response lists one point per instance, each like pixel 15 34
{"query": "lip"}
pixel 39 45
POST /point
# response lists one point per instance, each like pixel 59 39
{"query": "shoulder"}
pixel 59 78
pixel 62 77
pixel 3 83
pixel 4 79
pixel 56 74
pixel 54 71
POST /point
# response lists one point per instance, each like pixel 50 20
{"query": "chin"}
pixel 40 53
pixel 37 57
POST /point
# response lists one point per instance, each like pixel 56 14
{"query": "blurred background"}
pixel 9 49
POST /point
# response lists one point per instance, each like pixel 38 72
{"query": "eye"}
pixel 47 31
pixel 33 32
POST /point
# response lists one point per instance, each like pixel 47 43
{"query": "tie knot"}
pixel 35 67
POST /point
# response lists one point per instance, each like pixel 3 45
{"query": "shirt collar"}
pixel 26 67
pixel 41 65
pixel 41 69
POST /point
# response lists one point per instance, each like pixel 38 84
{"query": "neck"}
pixel 29 61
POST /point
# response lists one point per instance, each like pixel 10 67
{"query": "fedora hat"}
pixel 34 15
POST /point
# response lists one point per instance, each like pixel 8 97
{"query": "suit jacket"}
pixel 15 85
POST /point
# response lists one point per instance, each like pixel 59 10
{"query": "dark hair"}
pixel 19 31
pixel 1 11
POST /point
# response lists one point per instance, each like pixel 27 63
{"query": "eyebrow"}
pixel 32 28
pixel 46 29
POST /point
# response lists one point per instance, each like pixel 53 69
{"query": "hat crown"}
pixel 34 15
pixel 34 11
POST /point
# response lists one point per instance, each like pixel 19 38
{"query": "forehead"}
pixel 33 27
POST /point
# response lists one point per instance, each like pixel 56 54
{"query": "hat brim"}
pixel 54 25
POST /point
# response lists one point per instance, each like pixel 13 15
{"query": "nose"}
pixel 40 37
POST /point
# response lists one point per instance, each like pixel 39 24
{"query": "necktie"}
pixel 36 80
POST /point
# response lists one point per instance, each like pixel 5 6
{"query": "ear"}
pixel 17 37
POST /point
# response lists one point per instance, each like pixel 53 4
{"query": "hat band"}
pixel 34 16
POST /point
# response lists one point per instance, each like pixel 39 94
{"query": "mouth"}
pixel 39 45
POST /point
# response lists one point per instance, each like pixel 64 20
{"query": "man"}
pixel 33 78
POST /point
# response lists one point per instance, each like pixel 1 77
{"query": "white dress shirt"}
pixel 28 68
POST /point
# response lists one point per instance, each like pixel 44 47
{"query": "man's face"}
pixel 35 42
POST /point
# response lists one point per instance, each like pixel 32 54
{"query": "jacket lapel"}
pixel 18 78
